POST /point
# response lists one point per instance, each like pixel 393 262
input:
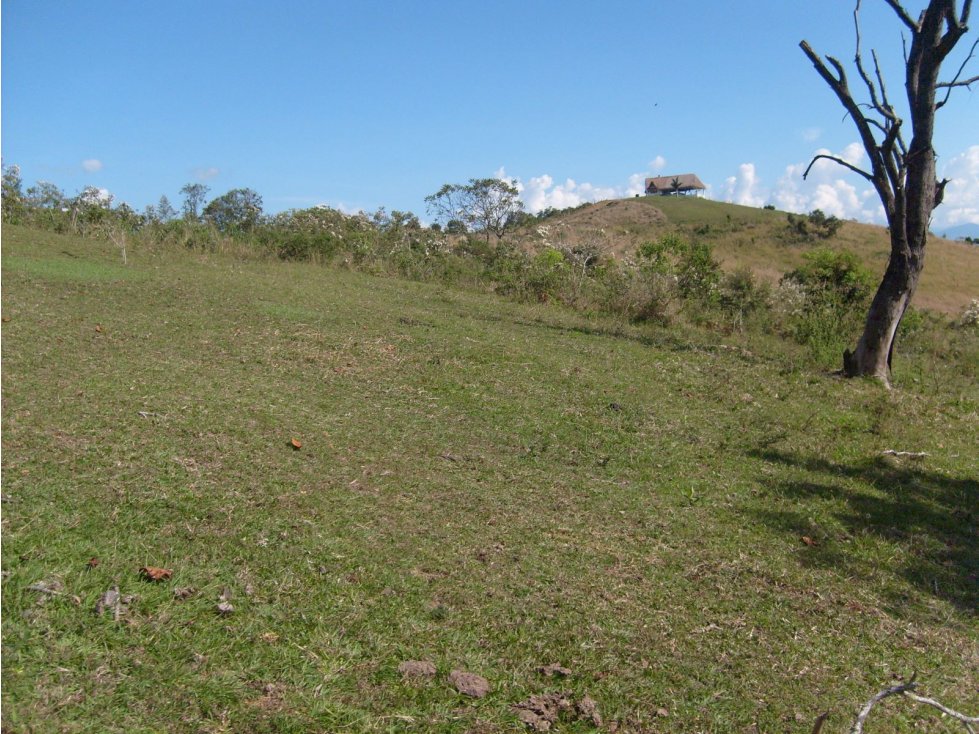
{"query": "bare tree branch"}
pixel 960 83
pixel 879 178
pixel 903 14
pixel 906 690
pixel 841 162
pixel 948 86
pixel 967 721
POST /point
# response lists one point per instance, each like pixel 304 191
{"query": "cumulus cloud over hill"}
pixel 841 193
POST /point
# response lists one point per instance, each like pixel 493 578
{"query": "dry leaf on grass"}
pixel 93 562
pixel 152 573
pixel 296 444
pixel 809 541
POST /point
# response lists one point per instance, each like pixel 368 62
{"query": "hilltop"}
pixel 758 239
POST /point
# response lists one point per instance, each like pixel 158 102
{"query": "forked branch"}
pixel 907 690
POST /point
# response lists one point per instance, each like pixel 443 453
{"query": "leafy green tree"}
pixel 239 210
pixel 194 196
pixel 164 211
pixel 13 195
pixel 45 195
pixel 91 207
pixel 487 205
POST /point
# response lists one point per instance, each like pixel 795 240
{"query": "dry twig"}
pixel 906 690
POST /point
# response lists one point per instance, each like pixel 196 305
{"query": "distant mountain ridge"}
pixel 958 232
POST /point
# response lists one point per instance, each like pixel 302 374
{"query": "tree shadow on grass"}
pixel 930 516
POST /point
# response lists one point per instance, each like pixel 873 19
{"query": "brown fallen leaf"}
pixel 809 541
pixel 152 573
pixel 93 562
pixel 184 593
pixel 469 684
pixel 296 444
pixel 98 328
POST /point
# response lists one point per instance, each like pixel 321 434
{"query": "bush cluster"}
pixel 812 226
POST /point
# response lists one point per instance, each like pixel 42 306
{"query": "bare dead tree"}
pixel 903 175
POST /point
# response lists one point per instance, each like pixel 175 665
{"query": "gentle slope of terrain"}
pixel 758 239
pixel 708 537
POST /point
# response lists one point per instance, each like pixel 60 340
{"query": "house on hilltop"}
pixel 685 183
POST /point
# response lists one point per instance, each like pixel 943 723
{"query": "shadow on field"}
pixel 931 516
pixel 666 339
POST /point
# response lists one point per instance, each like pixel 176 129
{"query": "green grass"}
pixel 482 484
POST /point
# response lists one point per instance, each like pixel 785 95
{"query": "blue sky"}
pixel 365 104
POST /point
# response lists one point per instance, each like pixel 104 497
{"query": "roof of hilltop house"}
pixel 687 181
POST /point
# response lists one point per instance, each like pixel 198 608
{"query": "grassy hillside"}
pixel 709 538
pixel 759 239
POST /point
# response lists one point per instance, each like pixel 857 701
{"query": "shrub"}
pixel 740 295
pixel 834 274
pixel 690 265
pixel 970 317
pixel 835 287
pixel 813 226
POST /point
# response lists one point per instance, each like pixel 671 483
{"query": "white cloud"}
pixel 744 188
pixel 541 192
pixel 636 185
pixel 206 174
pixel 961 203
pixel 829 187
pixel 91 165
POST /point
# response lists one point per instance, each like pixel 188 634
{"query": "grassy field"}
pixel 706 535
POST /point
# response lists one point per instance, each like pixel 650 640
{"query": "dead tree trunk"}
pixel 903 175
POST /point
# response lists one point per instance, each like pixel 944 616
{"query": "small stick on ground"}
pixel 906 690
pixel 905 454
